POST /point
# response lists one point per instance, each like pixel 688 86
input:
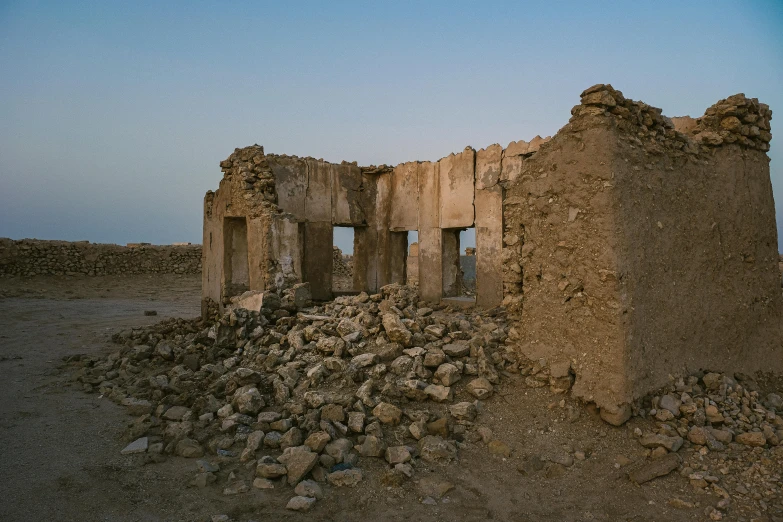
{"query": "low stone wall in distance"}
pixel 29 257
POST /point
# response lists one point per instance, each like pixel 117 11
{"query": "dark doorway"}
pixel 235 262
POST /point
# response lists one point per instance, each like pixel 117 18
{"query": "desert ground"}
pixel 61 446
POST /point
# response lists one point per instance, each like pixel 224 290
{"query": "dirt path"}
pixel 61 459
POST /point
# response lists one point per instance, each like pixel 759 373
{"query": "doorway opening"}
pixel 235 262
pixel 412 261
pixel 467 261
pixel 343 260
pixel 459 263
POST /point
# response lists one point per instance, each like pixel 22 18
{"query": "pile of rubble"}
pixel 296 395
pixel 342 270
pixel 291 393
pixel 728 435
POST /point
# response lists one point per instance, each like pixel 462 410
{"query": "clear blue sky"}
pixel 114 116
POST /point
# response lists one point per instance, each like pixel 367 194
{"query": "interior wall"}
pixel 398 256
pixel 237 274
pixel 318 259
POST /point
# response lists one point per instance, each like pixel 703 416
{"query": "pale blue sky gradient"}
pixel 114 116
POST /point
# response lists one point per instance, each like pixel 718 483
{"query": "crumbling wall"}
pixel 247 192
pixel 290 205
pixel 637 247
pixel 559 259
pixel 28 257
pixel 698 246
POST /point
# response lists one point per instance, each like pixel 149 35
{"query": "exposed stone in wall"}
pixel 291 205
pixel 736 119
pixel 28 257
pixel 248 191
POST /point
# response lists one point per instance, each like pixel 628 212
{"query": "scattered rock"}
pixel 262 483
pixel 137 446
pixel 435 449
pixel 434 486
pixel 348 477
pixel 397 455
pixel 655 468
pixel 480 388
pixel 387 413
pixel 236 488
pixel 309 488
pixel 300 503
pixel 189 449
pixel 655 440
pixel 298 462
pixel 616 415
pixel 752 438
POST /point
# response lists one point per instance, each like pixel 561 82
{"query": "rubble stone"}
pixel 348 477
pixel 300 503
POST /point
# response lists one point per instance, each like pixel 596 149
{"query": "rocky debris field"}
pixel 311 399
pixel 281 395
pixel 733 435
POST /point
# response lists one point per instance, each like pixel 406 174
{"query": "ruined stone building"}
pixel 629 247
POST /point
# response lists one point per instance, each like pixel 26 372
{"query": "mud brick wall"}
pixel 28 257
pixel 645 247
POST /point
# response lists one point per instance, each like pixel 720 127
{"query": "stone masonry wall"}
pixel 28 257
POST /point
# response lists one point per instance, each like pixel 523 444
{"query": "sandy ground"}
pixel 61 459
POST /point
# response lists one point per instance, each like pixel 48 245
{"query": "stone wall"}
pixel 28 257
pixel 288 206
